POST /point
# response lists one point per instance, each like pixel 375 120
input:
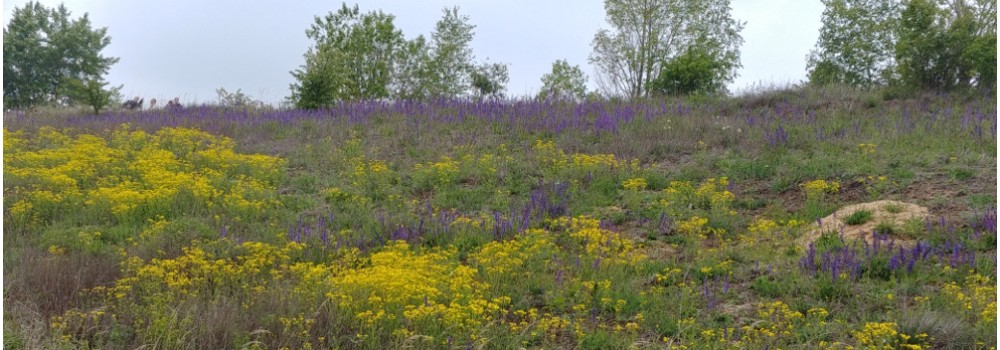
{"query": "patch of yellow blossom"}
pixel 711 194
pixel 131 175
pixel 636 184
pixel 697 226
pixel 441 173
pixel 815 189
pixel 553 158
pixel 777 322
pixel 508 258
pixel 429 288
pixel 763 229
pixel 976 297
pixel 596 241
pixel 885 335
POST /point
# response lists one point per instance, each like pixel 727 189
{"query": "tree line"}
pixel 906 46
pixel 650 48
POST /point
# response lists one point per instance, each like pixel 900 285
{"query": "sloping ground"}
pixel 896 214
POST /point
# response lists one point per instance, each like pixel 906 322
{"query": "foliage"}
pixel 132 176
pixel 910 45
pixel 451 58
pixel 320 80
pixel 44 49
pixel 237 99
pixel 859 217
pixel 855 43
pixel 945 48
pixel 364 56
pixel 490 79
pixel 647 34
pixel 564 81
pixel 982 56
pixel 693 72
pixel 91 93
pixel 413 71
pixel 353 58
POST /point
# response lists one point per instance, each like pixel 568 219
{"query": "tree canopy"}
pixel 364 56
pixel 48 56
pixel 564 81
pixel 910 44
pixel 646 34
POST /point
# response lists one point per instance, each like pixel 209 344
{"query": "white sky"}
pixel 189 48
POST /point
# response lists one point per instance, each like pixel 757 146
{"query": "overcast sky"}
pixel 189 48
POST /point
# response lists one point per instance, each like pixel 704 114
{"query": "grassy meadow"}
pixel 657 224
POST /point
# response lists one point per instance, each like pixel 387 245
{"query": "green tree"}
pixel 321 81
pixel 981 54
pixel 921 50
pixel 354 58
pixel 855 44
pixel 693 72
pixel 43 49
pixel 414 71
pixel 947 47
pixel 646 34
pixel 237 99
pixel 982 57
pixel 490 79
pixel 92 93
pixel 452 56
pixel 564 81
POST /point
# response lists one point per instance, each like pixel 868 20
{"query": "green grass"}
pixel 859 217
pixel 893 208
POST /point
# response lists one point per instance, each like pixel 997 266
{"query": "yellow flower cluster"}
pixel 490 163
pixel 778 323
pixel 669 276
pixel 197 271
pixel 596 241
pixel 977 296
pixel 716 192
pixel 430 289
pixel 815 189
pixel 440 173
pixel 722 268
pixel 554 158
pixel 78 322
pixel 466 224
pixel 365 173
pixel 697 226
pixel 711 194
pixel 591 161
pixel 762 229
pixel 636 184
pixel 549 155
pixel 508 258
pixel 866 148
pixel 132 175
pixel 885 335
pixel 547 326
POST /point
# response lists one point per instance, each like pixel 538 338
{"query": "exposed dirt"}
pixel 890 212
pixel 945 196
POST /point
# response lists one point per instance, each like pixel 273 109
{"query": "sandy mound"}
pixel 886 211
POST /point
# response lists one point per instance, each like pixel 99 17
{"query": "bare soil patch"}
pixel 890 212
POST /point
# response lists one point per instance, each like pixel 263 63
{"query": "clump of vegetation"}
pixel 893 208
pixel 859 217
pixel 885 227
